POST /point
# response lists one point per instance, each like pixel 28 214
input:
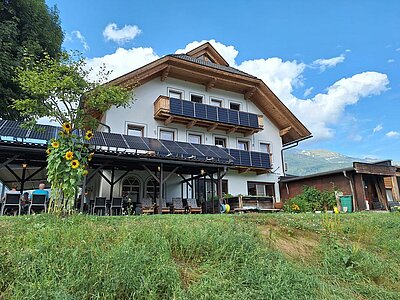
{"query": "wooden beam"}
pixel 250 132
pixel 249 94
pixel 151 173
pixel 8 161
pixel 260 172
pixel 242 171
pixel 284 131
pixel 170 174
pixel 165 73
pixel 212 127
pixel 191 124
pixel 210 84
pixel 232 130
pixel 169 120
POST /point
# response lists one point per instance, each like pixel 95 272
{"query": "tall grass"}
pixel 192 257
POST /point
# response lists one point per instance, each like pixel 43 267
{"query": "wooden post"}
pixel 395 189
pixel 160 197
pixel 112 184
pixel 212 192
pixel 23 179
pixel 83 193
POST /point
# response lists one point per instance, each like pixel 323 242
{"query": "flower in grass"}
pixel 89 135
pixel 67 127
pixel 295 207
pixel 74 164
pixel 69 155
pixel 55 144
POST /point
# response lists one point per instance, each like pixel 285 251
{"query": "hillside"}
pixel 305 162
pixel 252 256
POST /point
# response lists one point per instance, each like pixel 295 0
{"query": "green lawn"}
pixel 274 256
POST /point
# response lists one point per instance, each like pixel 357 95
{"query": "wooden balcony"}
pixel 171 110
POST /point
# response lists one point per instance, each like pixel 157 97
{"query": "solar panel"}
pixel 173 147
pixel 2 122
pixel 223 115
pixel 13 129
pixel 233 116
pixel 188 108
pixel 190 149
pixel 175 106
pixel 236 155
pixel 155 145
pixel 200 111
pixel 256 159
pixel 212 113
pixel 223 154
pixel 265 160
pixel 98 139
pixel 245 158
pixel 114 140
pixel 244 119
pixel 253 120
pixel 136 142
pixel 44 132
pixel 206 150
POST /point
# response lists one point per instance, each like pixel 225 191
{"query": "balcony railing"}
pixel 211 117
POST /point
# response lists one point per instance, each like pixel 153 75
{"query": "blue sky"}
pixel 334 63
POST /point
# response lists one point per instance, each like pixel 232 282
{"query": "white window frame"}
pixel 221 137
pixel 235 102
pixel 172 89
pixel 216 99
pixel 202 139
pixel 173 130
pixel 197 95
pixel 243 140
pixel 136 124
pixel 271 149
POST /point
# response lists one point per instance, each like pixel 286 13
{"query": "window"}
pixel 194 138
pixel 261 189
pixel 131 188
pixel 152 189
pixel 220 142
pixel 196 98
pixel 216 102
pixel 266 148
pixel 234 106
pixel 175 94
pixel 135 130
pixel 167 135
pixel 243 145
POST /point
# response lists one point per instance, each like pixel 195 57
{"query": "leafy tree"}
pixel 59 89
pixel 26 26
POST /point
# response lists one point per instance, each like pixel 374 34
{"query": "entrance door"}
pixel 131 188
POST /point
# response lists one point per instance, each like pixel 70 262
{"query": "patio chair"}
pixel 165 209
pixel 193 207
pixel 178 207
pixel 116 204
pixel 11 201
pixel 100 204
pixel 38 201
pixel 147 206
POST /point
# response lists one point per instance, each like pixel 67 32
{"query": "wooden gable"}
pixel 208 53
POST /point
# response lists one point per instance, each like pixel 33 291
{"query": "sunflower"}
pixel 90 157
pixel 67 127
pixel 85 172
pixel 89 135
pixel 55 144
pixel 74 164
pixel 48 151
pixel 69 155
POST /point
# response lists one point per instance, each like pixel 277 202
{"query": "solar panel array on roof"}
pixel 250 158
pixel 211 113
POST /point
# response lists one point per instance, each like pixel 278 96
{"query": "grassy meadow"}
pixel 252 256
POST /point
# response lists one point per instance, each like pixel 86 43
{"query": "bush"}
pixel 311 199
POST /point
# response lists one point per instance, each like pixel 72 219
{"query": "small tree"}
pixel 60 90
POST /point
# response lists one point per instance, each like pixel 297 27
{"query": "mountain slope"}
pixel 305 162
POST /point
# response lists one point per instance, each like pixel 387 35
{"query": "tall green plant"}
pixel 60 91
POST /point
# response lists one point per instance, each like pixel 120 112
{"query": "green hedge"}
pixel 311 199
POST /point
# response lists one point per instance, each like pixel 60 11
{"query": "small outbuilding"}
pixel 373 186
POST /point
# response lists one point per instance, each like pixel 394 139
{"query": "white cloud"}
pixel 392 134
pixel 229 53
pixel 377 128
pixel 347 50
pixel 355 137
pixel 326 63
pixel 319 113
pixel 125 34
pixel 389 61
pixel 76 34
pixel 121 61
pixel 308 91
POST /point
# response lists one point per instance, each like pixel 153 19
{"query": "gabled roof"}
pixel 209 52
pixel 216 73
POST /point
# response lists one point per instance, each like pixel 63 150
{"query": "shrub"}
pixel 311 199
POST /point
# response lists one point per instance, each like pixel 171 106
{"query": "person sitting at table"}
pixel 25 202
pixel 41 191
